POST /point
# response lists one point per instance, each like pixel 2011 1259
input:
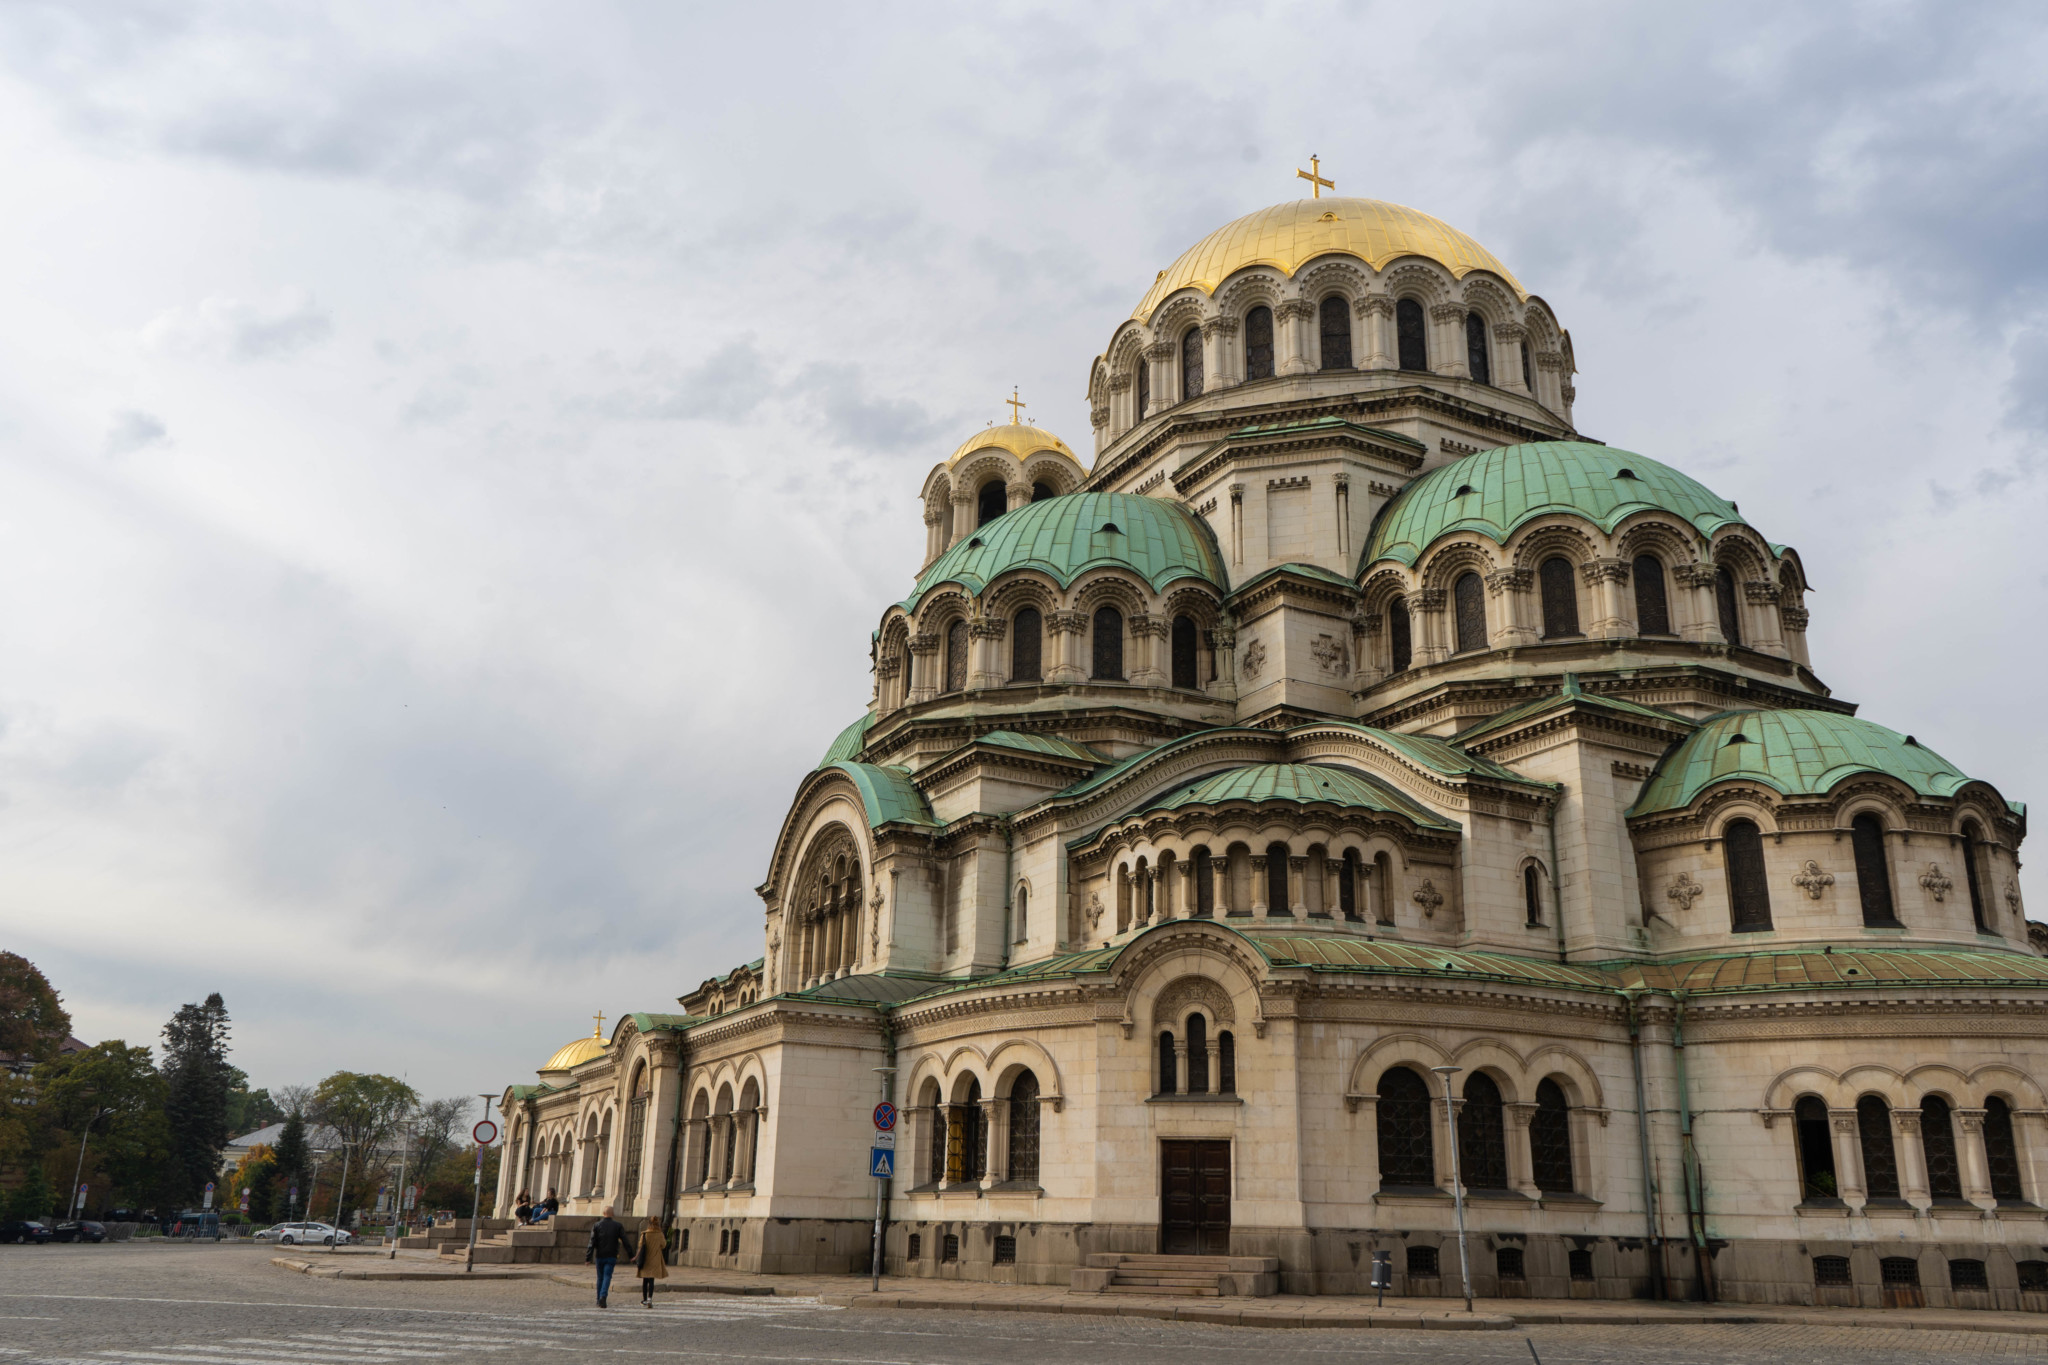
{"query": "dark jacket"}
pixel 606 1237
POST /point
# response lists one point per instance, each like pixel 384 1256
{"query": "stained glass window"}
pixel 1653 608
pixel 1560 598
pixel 1024 1128
pixel 1027 637
pixel 1938 1141
pixel 1970 847
pixel 1410 336
pixel 1749 894
pixel 1335 318
pixel 2001 1152
pixel 1278 902
pixel 1880 1156
pixel 1398 635
pixel 1258 344
pixel 1727 606
pixel 1816 1148
pixel 1477 358
pixel 1550 1139
pixel 1226 1063
pixel 1168 1077
pixel 1191 363
pixel 1470 599
pixel 1482 1135
pixel 1407 1155
pixel 1873 870
pixel 1109 644
pixel 1184 659
pixel 956 656
pixel 1198 1055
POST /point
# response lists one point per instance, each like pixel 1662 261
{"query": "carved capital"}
pixel 988 627
pixel 1295 308
pixel 1162 350
pixel 1693 575
pixel 1509 580
pixel 1448 312
pixel 1758 591
pixel 924 642
pixel 1119 382
pixel 1795 618
pixel 1213 327
pixel 1511 331
pixel 1427 599
pixel 1374 303
pixel 1604 571
pixel 1067 622
pixel 1550 360
pixel 1098 417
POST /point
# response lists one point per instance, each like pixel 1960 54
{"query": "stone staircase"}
pixel 559 1241
pixel 1188 1277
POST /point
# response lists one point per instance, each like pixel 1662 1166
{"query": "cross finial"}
pixel 1314 176
pixel 1017 405
pixel 598 1031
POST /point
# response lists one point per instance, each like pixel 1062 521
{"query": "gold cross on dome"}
pixel 598 1032
pixel 1017 405
pixel 1314 177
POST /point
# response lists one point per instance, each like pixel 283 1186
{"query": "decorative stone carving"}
pixel 1254 660
pixel 1095 909
pixel 1374 303
pixel 1759 591
pixel 1429 898
pixel 1329 655
pixel 2012 898
pixel 1795 618
pixel 1604 570
pixel 1295 308
pixel 1509 580
pixel 1693 575
pixel 1935 883
pixel 1813 879
pixel 1448 312
pixel 1184 994
pixel 1427 599
pixel 1684 891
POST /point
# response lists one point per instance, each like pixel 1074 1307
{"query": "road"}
pixel 205 1305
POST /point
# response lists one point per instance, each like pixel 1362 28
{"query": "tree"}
pixel 113 1089
pixel 255 1173
pixel 294 1164
pixel 196 1072
pixel 33 1023
pixel 249 1110
pixel 442 1126
pixel 451 1182
pixel 34 1197
pixel 364 1110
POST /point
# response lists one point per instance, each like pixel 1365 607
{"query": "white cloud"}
pixel 241 330
pixel 134 430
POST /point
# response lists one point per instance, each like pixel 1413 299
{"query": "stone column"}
pixel 1449 350
pixel 985 651
pixel 1297 885
pixel 1507 357
pixel 1165 383
pixel 1259 907
pixel 1066 629
pixel 1763 618
pixel 1975 1160
pixel 1793 621
pixel 1290 336
pixel 1112 425
pixel 1426 625
pixel 1146 889
pixel 1700 617
pixel 1016 495
pixel 1223 641
pixel 1376 311
pixel 1605 580
pixel 1189 901
pixel 664 1056
pixel 1180 1063
pixel 1848 1155
pixel 1912 1156
pixel 934 538
pixel 924 679
pixel 1508 624
pixel 1549 366
pixel 1214 1047
pixel 1146 633
pixel 963 516
pixel 995 1132
pixel 1440 1133
pixel 1521 1150
pixel 1217 371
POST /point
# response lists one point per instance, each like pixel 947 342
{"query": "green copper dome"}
pixel 1065 537
pixel 1796 753
pixel 1303 784
pixel 1498 490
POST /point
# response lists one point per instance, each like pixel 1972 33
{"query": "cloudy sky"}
pixel 451 457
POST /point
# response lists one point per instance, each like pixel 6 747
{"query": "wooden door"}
pixel 1194 1202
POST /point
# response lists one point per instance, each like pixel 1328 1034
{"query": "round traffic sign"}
pixel 885 1116
pixel 485 1133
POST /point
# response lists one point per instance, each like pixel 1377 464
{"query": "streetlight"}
pixel 411 1131
pixel 313 1181
pixel 78 1175
pixel 1457 1183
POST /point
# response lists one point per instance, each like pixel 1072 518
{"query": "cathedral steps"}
pixel 1178 1276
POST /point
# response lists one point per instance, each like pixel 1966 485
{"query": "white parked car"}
pixel 308 1234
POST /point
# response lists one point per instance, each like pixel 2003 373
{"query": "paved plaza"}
pixel 207 1305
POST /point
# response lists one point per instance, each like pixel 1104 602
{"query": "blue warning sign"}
pixel 884 1163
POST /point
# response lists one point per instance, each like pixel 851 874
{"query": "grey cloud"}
pixel 134 430
pixel 240 329
pixel 840 406
pixel 729 385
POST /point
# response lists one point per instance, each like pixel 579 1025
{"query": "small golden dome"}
pixel 1019 438
pixel 578 1052
pixel 1290 235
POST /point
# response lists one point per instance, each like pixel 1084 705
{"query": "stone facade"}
pixel 1348 733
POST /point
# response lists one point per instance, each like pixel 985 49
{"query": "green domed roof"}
pixel 1303 784
pixel 1797 753
pixel 1067 536
pixel 1496 491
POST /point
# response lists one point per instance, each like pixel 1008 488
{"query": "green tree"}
pixel 113 1089
pixel 364 1110
pixel 450 1184
pixel 196 1072
pixel 33 1023
pixel 441 1126
pixel 294 1159
pixel 249 1110
pixel 34 1197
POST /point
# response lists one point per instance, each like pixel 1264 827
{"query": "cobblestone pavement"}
pixel 204 1305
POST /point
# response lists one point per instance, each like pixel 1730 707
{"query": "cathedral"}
pixel 1348 804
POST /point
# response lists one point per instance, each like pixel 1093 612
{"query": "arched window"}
pixel 636 1134
pixel 1749 894
pixel 1938 1141
pixel 1971 845
pixel 1335 318
pixel 1191 363
pixel 1023 1162
pixel 1873 870
pixel 1407 1153
pixel 1109 645
pixel 1383 887
pixel 1226 1063
pixel 1469 597
pixel 1041 491
pixel 1653 607
pixel 1123 899
pixel 1278 902
pixel 1727 607
pixel 1528 376
pixel 974 1156
pixel 1258 343
pixel 1550 1139
pixel 750 1103
pixel 956 657
pixel 1144 385
pixel 1205 884
pixel 1167 1068
pixel 1560 598
pixel 1023 909
pixel 1532 895
pixel 2002 1153
pixel 941 1135
pixel 1398 637
pixel 991 502
pixel 1477 358
pixel 1347 884
pixel 1184 655
pixel 1409 335
pixel 1482 1135
pixel 1027 639
pixel 1880 1156
pixel 1816 1148
pixel 1198 1055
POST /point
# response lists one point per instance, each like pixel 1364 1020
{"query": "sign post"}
pixel 882 1161
pixel 485 1134
pixel 78 1209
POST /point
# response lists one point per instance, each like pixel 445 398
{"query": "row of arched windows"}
pixel 1408 1118
pixel 957 1136
pixel 1190 1062
pixel 1240 882
pixel 993 499
pixel 1106 650
pixel 1749 888
pixel 1333 330
pixel 724 1141
pixel 1818 1178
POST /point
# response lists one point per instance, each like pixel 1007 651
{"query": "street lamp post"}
pixel 313 1182
pixel 398 1195
pixel 1457 1182
pixel 340 1194
pixel 476 1204
pixel 79 1174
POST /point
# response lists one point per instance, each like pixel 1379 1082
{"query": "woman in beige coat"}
pixel 653 1261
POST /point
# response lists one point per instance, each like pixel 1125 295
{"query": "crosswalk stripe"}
pixel 379 1350
pixel 208 1359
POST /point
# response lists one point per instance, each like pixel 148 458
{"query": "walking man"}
pixel 607 1237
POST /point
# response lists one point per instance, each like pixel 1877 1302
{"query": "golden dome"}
pixel 1288 236
pixel 1019 438
pixel 578 1052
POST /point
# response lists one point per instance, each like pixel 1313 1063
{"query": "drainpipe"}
pixel 1009 889
pixel 1556 885
pixel 1695 1190
pixel 675 1145
pixel 1635 1057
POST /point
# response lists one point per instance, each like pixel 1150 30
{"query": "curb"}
pixel 1211 1315
pixel 751 1291
pixel 338 1272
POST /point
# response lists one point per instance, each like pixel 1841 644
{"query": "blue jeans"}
pixel 605 1267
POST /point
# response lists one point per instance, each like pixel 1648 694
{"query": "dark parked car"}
pixel 81 1231
pixel 24 1232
